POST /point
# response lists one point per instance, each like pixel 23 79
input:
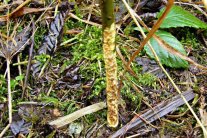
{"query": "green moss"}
pixel 38 37
pixel 99 86
pixel 142 80
pixel 42 58
pixel 3 86
pixel 179 126
pixel 88 47
pixel 173 128
pixel 129 93
pixel 100 115
pixel 147 79
pixel 14 84
pixel 68 106
pixel 190 40
pixel 129 29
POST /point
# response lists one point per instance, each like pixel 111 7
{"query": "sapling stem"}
pixel 109 32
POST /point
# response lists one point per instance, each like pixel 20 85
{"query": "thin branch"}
pixel 29 62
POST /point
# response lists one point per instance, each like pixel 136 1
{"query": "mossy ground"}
pixel 87 47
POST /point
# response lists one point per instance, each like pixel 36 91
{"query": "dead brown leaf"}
pixel 26 10
pixel 22 11
pixel 17 2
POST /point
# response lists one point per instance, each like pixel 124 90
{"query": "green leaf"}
pixel 166 57
pixel 52 100
pixel 19 78
pixel 179 17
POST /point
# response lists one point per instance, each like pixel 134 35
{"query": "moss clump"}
pixel 88 47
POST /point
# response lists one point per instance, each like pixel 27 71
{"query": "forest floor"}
pixel 63 43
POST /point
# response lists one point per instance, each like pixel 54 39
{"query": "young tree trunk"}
pixel 109 32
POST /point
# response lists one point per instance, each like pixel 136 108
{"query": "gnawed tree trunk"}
pixel 109 32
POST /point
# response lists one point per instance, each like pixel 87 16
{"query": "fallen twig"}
pixel 84 21
pixel 29 62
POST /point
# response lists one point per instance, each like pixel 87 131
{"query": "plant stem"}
pixel 9 91
pixel 9 98
pixel 24 90
pixel 109 32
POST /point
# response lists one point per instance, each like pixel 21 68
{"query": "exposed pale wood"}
pixel 62 121
pixel 109 33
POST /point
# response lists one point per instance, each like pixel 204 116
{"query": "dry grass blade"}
pixel 1 52
pixel 13 46
pixel 84 21
pixel 17 2
pixel 3 18
pixel 195 6
pixel 203 112
pixel 125 63
pixel 22 40
pixel 8 38
pixel 29 61
pixel 26 10
pixel 62 121
pixel 9 98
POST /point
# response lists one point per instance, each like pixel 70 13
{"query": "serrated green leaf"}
pixel 178 17
pixel 166 57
